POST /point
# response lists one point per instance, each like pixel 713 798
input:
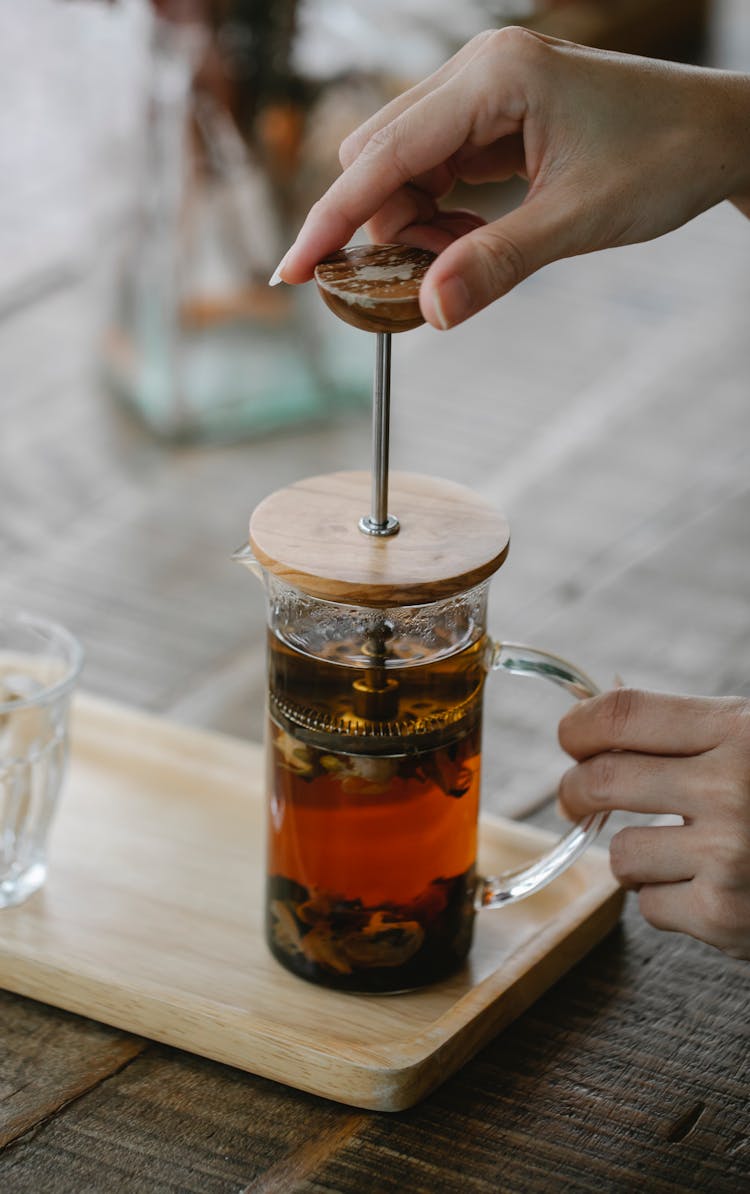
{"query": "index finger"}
pixel 418 139
pixel 649 722
pixel 353 145
pixel 424 136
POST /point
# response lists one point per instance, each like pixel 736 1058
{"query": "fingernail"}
pixel 276 275
pixel 451 301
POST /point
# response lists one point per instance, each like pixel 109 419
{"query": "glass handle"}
pixel 499 890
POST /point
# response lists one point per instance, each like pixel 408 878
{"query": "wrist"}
pixel 730 133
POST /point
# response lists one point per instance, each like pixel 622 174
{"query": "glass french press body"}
pixel 378 653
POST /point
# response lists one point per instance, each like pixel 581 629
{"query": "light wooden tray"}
pixel 151 920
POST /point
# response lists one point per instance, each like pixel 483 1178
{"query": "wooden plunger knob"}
pixel 375 287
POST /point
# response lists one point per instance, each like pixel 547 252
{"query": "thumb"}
pixel 485 264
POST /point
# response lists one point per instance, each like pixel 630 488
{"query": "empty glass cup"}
pixel 39 665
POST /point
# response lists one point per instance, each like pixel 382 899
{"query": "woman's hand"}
pixel 650 753
pixel 616 149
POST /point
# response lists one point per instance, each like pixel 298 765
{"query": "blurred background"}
pixel 157 159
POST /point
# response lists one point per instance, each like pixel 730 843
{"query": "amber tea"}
pixel 374 776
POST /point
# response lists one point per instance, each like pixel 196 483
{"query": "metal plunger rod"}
pixel 378 521
pixel 381 418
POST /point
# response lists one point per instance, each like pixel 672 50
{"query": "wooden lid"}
pixel 307 535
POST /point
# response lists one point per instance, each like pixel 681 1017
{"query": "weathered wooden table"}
pixel 621 381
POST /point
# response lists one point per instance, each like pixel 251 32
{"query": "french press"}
pixel 378 653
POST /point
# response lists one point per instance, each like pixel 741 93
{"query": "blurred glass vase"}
pixel 199 343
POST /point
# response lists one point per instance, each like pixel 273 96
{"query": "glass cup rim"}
pixel 54 631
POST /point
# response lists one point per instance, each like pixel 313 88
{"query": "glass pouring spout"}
pixel 244 555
